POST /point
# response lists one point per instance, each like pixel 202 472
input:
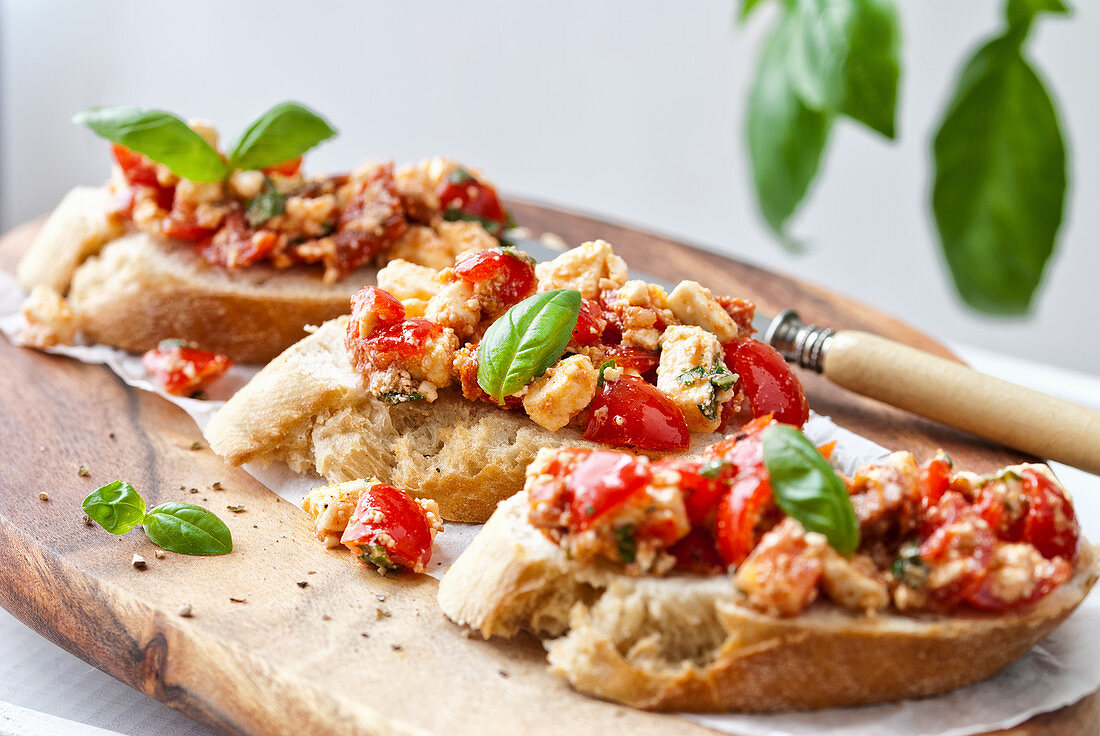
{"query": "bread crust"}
pixel 309 408
pixel 131 290
pixel 686 643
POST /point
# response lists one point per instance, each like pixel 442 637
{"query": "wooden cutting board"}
pixel 286 637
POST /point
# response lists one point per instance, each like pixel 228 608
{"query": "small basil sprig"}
pixel 176 527
pixel 807 489
pixel 526 340
pixel 159 135
pixel 267 204
pixel 284 132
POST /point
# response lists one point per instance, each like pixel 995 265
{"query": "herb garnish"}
pixel 720 379
pixel 603 367
pixel 525 341
pixel 176 527
pixel 267 204
pixel 807 489
pixel 284 132
pixel 399 397
pixel 909 567
pixel 626 543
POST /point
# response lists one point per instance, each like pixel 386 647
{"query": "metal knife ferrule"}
pixel 798 342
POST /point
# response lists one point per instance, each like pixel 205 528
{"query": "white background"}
pixel 631 109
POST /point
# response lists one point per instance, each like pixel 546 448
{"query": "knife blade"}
pixel 921 383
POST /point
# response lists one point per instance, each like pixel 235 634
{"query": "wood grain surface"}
pixel 348 652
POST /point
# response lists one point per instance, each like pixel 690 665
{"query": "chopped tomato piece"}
pixel 371 305
pixel 696 554
pixel 463 194
pixel 640 359
pixel 935 479
pixel 770 384
pixel 631 412
pixel 1001 593
pixel 136 168
pixel 703 484
pixel 1051 523
pixel 396 342
pixel 508 276
pixel 181 370
pixel 959 550
pixel 739 515
pixel 389 529
pixel 590 323
pixel 235 245
pixel 782 574
pixel 286 168
pixel 180 223
pixel 602 481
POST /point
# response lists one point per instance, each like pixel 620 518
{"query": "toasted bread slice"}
pixel 133 290
pixel 311 410
pixel 686 643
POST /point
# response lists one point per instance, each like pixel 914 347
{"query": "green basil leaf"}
pixel 1018 12
pixel 187 529
pixel 818 49
pixel 526 340
pixel 1000 179
pixel 873 66
pixel 785 137
pixel 747 6
pixel 161 136
pixel 267 204
pixel 116 507
pixel 603 368
pixel 807 489
pixel 284 132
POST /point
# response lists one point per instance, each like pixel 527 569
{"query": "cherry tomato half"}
pixel 462 192
pixel 1051 523
pixel 631 412
pixel 590 323
pixel 181 370
pixel 389 530
pixel 961 539
pixel 510 276
pixel 770 384
pixel 1046 576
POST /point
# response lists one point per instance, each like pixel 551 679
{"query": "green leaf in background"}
pixel 284 132
pixel 818 50
pixel 116 507
pixel 1018 12
pixel 1000 179
pixel 747 6
pixel 873 66
pixel 807 489
pixel 785 138
pixel 161 136
pixel 187 529
pixel 526 340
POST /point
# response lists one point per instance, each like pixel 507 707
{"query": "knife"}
pixel 921 383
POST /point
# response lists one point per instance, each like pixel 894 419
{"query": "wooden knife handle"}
pixel 951 393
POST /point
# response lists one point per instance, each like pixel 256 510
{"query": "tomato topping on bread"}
pixel 924 540
pixel 382 525
pixel 182 369
pixel 573 342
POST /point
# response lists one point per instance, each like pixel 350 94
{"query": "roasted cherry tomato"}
pixel 961 543
pixel 600 482
pixel 461 193
pixel 769 383
pixel 1051 524
pixel 696 554
pixel 182 370
pixel 631 412
pixel 136 168
pixel 507 276
pixel 590 323
pixel 286 168
pixel 389 530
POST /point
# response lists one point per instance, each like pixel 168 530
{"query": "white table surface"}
pixel 46 691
